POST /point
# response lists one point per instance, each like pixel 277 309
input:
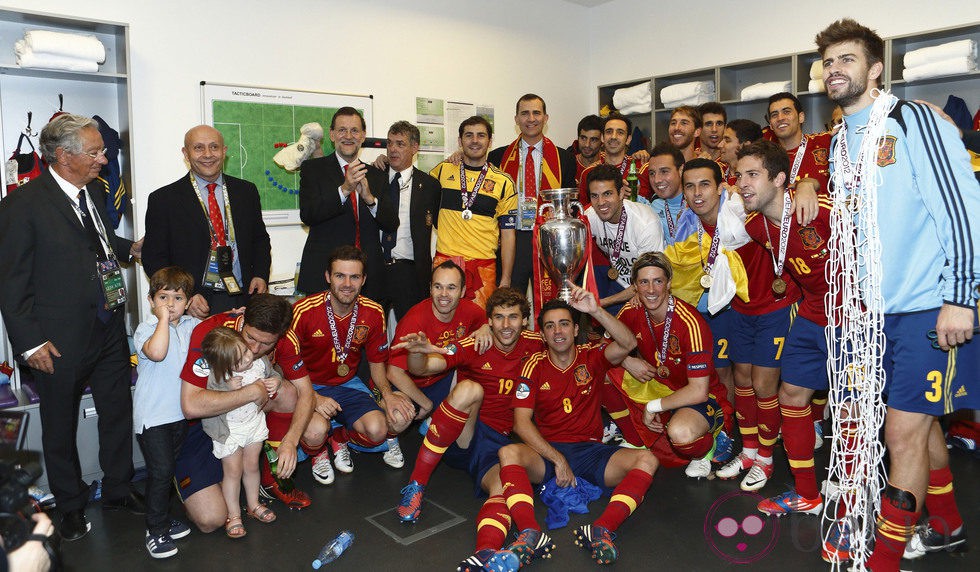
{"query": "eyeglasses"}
pixel 95 154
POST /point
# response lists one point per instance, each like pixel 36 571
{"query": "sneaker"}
pixel 294 498
pixel 830 490
pixel 342 460
pixel 490 560
pixel 322 469
pixel 393 456
pixel 178 529
pixel 757 477
pixel 698 468
pixel 599 540
pixel 837 547
pixel 961 442
pixel 926 540
pixel 161 546
pixel 611 433
pixel 724 448
pixel 410 507
pixel 818 433
pixel 734 468
pixel 531 544
pixel 788 502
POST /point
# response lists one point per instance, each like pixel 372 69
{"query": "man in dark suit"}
pixel 407 252
pixel 534 163
pixel 342 201
pixel 58 248
pixel 187 221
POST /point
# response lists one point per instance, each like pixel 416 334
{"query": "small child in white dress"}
pixel 239 434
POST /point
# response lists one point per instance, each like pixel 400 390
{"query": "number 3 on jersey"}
pixel 566 404
pixel 935 392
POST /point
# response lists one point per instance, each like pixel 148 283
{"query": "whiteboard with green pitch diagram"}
pixel 257 122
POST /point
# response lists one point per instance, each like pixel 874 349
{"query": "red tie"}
pixel 530 176
pixel 214 213
pixel 357 223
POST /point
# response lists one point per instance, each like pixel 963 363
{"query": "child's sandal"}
pixel 262 514
pixel 234 527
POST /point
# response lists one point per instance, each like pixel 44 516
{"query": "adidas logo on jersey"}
pixel 961 392
pixel 486 366
pixel 546 386
pixel 318 334
pixel 451 178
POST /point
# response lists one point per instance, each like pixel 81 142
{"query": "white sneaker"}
pixel 914 548
pixel 757 477
pixel 698 468
pixel 611 433
pixel 342 460
pixel 322 470
pixel 734 467
pixel 393 456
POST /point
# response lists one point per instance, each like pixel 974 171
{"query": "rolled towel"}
pixel 816 86
pixel 28 59
pixel 947 51
pixel 692 101
pixel 636 96
pixel 81 46
pixel 682 91
pixel 764 90
pixel 635 110
pixel 816 70
pixel 962 64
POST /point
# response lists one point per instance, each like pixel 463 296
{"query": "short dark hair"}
pixel 223 348
pixel 774 157
pixel 476 120
pixel 269 313
pixel 690 112
pixel 713 107
pixel 172 278
pixel 702 163
pixel 604 172
pixel 848 30
pixel 784 95
pixel 653 258
pixel 557 304
pixel 405 128
pixel 347 252
pixel 530 97
pixel 506 297
pixel 615 115
pixel 450 265
pixel 347 110
pixel 589 123
pixel 745 130
pixel 667 148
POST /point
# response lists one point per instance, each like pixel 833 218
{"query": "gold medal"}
pixel 343 369
pixel 705 281
pixel 613 273
pixel 663 372
pixel 779 286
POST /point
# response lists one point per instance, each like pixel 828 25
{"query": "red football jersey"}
pixel 565 401
pixel 643 188
pixel 421 318
pixel 196 368
pixel 308 348
pixel 497 372
pixel 816 162
pixel 806 256
pixel 761 273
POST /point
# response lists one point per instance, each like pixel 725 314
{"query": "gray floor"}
pixel 667 532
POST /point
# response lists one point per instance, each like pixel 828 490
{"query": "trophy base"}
pixel 565 294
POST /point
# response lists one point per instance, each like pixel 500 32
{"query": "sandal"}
pixel 262 514
pixel 234 527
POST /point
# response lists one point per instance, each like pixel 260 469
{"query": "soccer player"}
pixel 927 200
pixel 616 136
pixel 329 333
pixel 474 421
pixel 556 415
pixel 713 120
pixel 589 145
pixel 664 173
pixel 738 133
pixel 809 154
pixel 683 130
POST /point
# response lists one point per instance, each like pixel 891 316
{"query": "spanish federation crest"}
pixel 582 375
pixel 488 186
pixel 811 238
pixel 886 151
pixel 360 333
pixel 821 156
pixel 674 345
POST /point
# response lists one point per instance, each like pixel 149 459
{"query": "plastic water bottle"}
pixel 333 549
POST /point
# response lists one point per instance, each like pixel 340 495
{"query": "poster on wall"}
pixel 257 122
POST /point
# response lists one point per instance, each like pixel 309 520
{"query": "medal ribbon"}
pixel 662 352
pixel 623 166
pixel 617 245
pixel 783 235
pixel 341 356
pixel 469 198
pixel 797 161
pixel 712 250
pixel 843 159
pixel 670 219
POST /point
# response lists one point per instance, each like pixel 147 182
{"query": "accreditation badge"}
pixel 225 257
pixel 113 286
pixel 528 208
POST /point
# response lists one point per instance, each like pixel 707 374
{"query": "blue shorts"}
pixel 587 460
pixel 712 413
pixel 759 340
pixel 922 379
pixel 721 330
pixel 439 390
pixel 197 468
pixel 355 400
pixel 480 456
pixel 805 356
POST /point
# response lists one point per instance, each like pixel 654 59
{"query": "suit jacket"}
pixel 177 231
pixel 423 215
pixel 567 165
pixel 332 224
pixel 49 284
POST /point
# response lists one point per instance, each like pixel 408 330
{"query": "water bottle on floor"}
pixel 334 549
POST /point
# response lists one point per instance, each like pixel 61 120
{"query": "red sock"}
pixel 311 450
pixel 278 424
pixel 615 405
pixel 746 415
pixel 895 526
pixel 519 495
pixel 944 517
pixel 798 440
pixel 817 406
pixel 767 410
pixel 625 498
pixel 338 438
pixel 492 524
pixel 445 427
pixel 362 440
pixel 697 448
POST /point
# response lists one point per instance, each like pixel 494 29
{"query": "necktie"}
pixel 388 238
pixel 352 197
pixel 530 175
pixel 214 213
pixel 96 245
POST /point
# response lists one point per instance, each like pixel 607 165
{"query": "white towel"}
pixel 816 86
pixel 636 98
pixel 816 70
pixel 962 64
pixel 81 46
pixel 764 90
pixel 947 51
pixel 28 59
pixel 634 110
pixel 693 101
pixel 683 91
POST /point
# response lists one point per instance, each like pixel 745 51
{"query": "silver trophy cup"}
pixel 562 239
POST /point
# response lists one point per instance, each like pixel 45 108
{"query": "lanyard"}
pixel 341 353
pixel 229 223
pixel 797 161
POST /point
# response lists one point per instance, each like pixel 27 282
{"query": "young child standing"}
pixel 162 341
pixel 238 435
